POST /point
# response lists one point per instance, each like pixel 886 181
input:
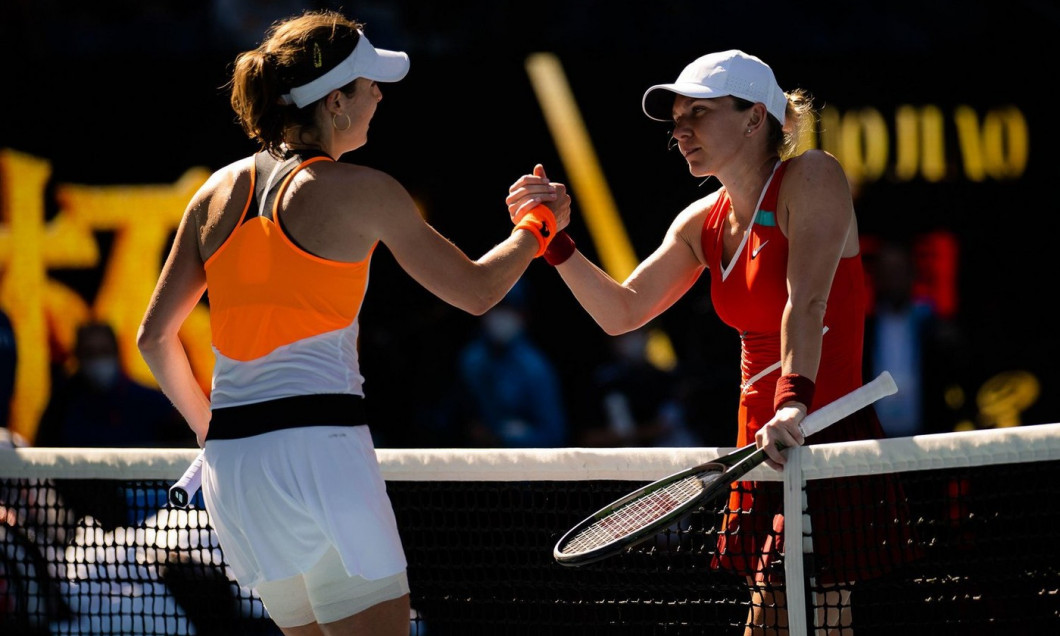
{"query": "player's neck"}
pixel 747 192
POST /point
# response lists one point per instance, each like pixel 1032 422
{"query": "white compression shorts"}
pixel 326 593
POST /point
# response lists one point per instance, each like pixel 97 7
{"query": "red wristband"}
pixel 560 249
pixel 793 387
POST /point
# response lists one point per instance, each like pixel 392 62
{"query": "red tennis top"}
pixel 749 294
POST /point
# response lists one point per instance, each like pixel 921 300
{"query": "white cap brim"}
pixel 378 65
pixel 658 100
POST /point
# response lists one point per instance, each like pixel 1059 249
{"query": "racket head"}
pixel 640 515
pixel 616 536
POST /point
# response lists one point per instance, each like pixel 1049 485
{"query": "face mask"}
pixel 102 373
pixel 502 326
pixel 630 347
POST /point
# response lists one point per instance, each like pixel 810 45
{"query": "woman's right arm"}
pixel 179 289
pixel 440 266
pixel 655 284
pixel 653 287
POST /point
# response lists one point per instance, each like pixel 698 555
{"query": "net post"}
pixel 795 543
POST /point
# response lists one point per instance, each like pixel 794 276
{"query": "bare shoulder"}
pixel 365 201
pixel 695 213
pixel 814 166
pixel 233 172
pixel 215 208
pixel 687 227
pixel 817 192
pixel 368 183
pixel 225 183
pixel 814 177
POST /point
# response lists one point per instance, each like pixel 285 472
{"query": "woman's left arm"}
pixel 817 216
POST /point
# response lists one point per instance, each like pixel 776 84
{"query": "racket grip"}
pixel 181 492
pixel 849 404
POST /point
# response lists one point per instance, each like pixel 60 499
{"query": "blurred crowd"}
pixel 492 382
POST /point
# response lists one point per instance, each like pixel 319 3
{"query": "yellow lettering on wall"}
pixel 22 181
pixel 907 142
pixel 933 144
pixel 864 143
pixel 141 218
pixel 1006 143
pixel 920 144
pixel 970 142
pixel 828 134
pixel 999 149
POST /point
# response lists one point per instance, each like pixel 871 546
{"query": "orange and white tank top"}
pixel 284 322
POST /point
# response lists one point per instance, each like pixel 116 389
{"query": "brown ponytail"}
pixel 294 52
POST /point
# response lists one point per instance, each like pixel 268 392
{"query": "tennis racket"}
pixel 182 491
pixel 646 511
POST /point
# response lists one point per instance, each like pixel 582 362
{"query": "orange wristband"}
pixel 542 224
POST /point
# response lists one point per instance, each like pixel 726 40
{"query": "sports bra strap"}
pixel 270 174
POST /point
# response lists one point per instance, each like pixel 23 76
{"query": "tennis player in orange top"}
pixel 779 240
pixel 282 240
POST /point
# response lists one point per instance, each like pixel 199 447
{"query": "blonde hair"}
pixel 800 120
pixel 294 52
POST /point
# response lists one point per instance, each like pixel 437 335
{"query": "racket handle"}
pixel 849 404
pixel 181 492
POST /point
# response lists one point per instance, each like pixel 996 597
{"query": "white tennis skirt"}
pixel 280 499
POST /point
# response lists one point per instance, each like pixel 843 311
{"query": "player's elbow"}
pixel 149 339
pixel 477 308
pixel 616 323
pixel 478 302
pixel 481 299
pixel 810 308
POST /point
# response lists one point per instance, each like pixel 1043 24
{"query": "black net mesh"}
pixel 978 555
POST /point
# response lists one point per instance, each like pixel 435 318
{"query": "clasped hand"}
pixel 535 189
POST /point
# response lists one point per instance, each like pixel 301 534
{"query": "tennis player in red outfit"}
pixel 779 239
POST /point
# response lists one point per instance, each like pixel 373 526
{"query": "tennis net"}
pixel 89 546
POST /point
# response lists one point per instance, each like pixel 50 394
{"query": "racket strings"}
pixel 637 514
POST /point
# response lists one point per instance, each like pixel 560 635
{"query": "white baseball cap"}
pixel 365 61
pixel 719 74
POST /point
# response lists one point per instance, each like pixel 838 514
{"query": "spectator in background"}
pixel 905 335
pixel 638 403
pixel 98 405
pixel 8 364
pixel 511 392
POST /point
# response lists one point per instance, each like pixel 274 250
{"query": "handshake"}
pixel 527 208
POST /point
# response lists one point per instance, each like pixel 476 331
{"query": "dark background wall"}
pixel 127 92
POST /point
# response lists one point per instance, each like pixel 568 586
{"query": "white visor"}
pixel 365 61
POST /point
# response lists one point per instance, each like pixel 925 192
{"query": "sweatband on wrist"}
pixel 560 249
pixel 792 387
pixel 542 224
